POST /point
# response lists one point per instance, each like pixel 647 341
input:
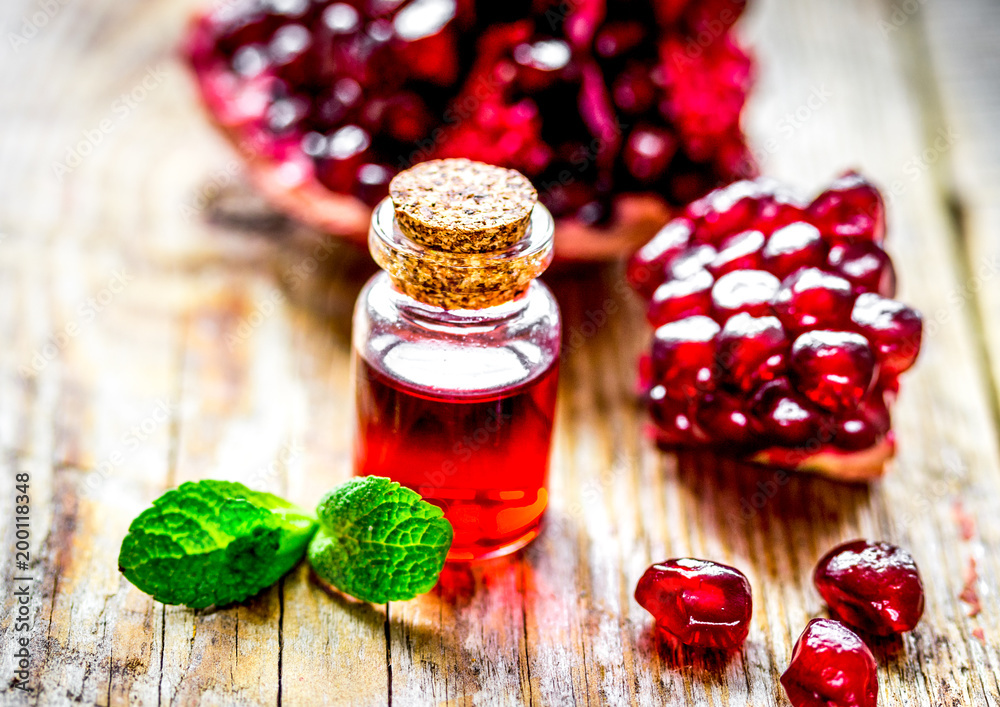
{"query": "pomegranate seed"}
pixel 751 350
pixel 866 265
pixel 739 252
pixel 725 417
pixel 724 211
pixel 634 91
pixel 797 245
pixel 697 602
pixel 790 421
pixel 875 587
pixel 749 291
pixel 865 426
pixel 646 267
pixel 894 329
pixel 850 209
pixel 675 425
pixel 691 261
pixel 681 298
pixel 834 369
pixel 684 355
pixel 648 152
pixel 831 667
pixel 810 299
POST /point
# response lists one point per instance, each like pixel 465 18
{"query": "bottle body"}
pixel 459 406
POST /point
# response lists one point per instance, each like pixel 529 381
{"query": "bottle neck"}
pixel 472 320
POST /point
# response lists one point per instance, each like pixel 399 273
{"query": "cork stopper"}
pixel 461 206
pixel 458 234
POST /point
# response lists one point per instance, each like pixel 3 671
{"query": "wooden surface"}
pixel 216 346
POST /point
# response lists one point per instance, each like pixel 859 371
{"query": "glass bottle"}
pixel 456 353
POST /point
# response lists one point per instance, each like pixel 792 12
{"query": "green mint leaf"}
pixel 213 542
pixel 379 541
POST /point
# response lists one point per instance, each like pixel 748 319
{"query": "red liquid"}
pixel 483 459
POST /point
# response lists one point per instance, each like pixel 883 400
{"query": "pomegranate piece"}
pixel 831 667
pixel 875 587
pixel 808 348
pixel 697 602
pixel 592 102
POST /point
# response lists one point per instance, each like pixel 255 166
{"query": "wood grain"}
pixel 224 354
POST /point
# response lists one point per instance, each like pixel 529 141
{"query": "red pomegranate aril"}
pixel 811 298
pixel 791 422
pixel 289 51
pixel 831 667
pixel 850 209
pixel 873 586
pixel 691 261
pixel 373 183
pixel 674 424
pixel 778 207
pixel 722 417
pixel 739 252
pixel 834 369
pixel 866 426
pixel 616 38
pixel 749 291
pixel 894 330
pixel 796 245
pixel 681 298
pixel 345 153
pixel 866 265
pixel 697 602
pixel 751 350
pixel 724 211
pixel 634 91
pixel 648 151
pixel 684 355
pixel 646 268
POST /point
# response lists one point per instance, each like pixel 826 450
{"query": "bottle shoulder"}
pixel 466 353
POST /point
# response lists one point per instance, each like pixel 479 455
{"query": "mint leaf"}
pixel 213 542
pixel 379 541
